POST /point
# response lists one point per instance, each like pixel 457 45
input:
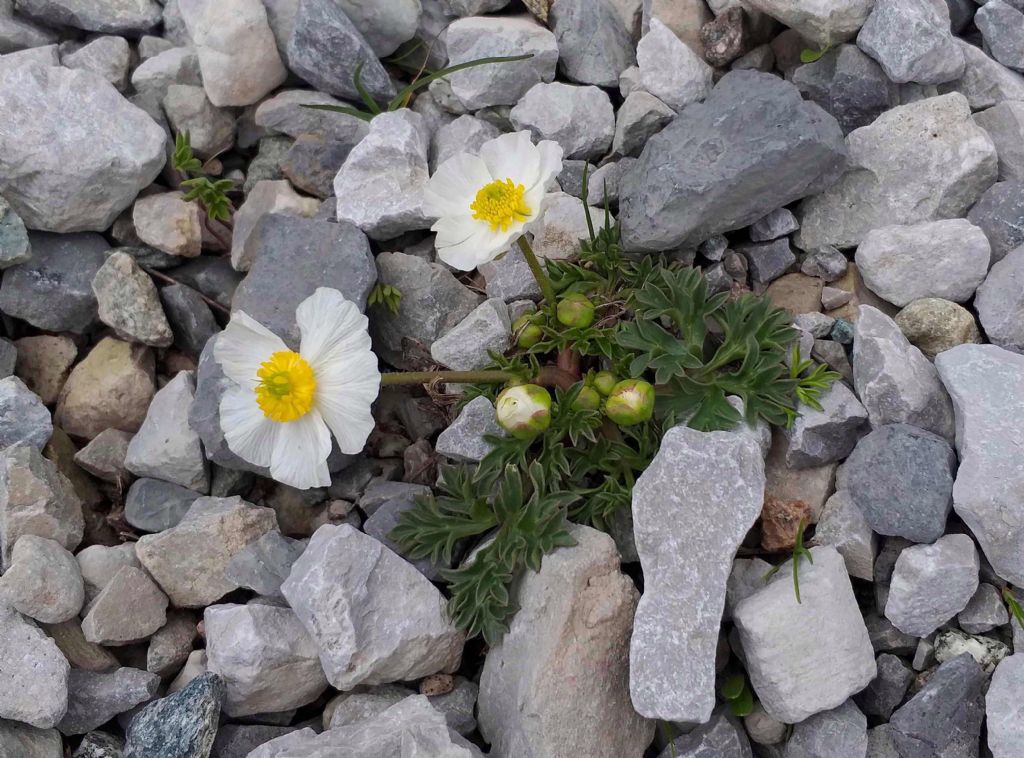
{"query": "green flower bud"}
pixel 524 411
pixel 529 333
pixel 589 399
pixel 575 310
pixel 631 401
pixel 604 381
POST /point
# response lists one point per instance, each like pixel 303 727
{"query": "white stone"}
pixel 562 227
pixel 108 56
pixel 843 526
pixel 179 65
pixel 387 24
pixel 1004 708
pixel 464 439
pixel 1000 302
pixel 43 581
pixel 267 196
pixel 670 70
pixel 823 22
pixel 467 346
pixel 35 672
pixel 580 119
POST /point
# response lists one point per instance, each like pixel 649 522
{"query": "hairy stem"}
pixel 538 272
pixel 549 376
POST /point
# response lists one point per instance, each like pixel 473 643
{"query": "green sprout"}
pixel 737 693
pixel 1014 605
pixel 799 551
pixel 387 295
pixel 809 55
pixel 810 387
pixel 211 194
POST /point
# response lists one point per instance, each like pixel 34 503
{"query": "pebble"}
pixel 1000 302
pixel 1002 27
pixel 468 345
pixel 843 526
pixel 182 724
pixel 312 163
pixel 103 16
pixel 36 672
pixel 794 293
pixel 594 46
pixel 24 420
pixel 99 745
pixel 826 263
pixel 171 644
pixel 934 325
pixel 1004 703
pixel 43 363
pixel 778 223
pixel 984 612
pixel 266 196
pixel 562 227
pixel 768 261
pixel 43 581
pixel 128 609
pixel 353 707
pixel 932 583
pixel 670 70
pixel 211 129
pixel 94 698
pixel 580 119
pixel 928 55
pixel 128 303
pixel 178 65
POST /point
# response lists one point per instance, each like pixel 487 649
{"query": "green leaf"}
pixel 346 109
pixel 364 94
pixel 744 704
pixel 733 687
pixel 1014 606
pixel 808 55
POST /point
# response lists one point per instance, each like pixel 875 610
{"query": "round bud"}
pixel 589 398
pixel 524 411
pixel 604 381
pixel 575 310
pixel 631 401
pixel 529 334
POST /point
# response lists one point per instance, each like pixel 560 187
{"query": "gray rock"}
pixel 894 380
pixel 986 383
pixel 188 561
pixel 580 119
pixel 237 53
pixel 945 259
pixel 211 129
pixel 26 741
pixel 95 697
pixel 467 346
pixel 100 745
pixel 104 456
pixel 808 657
pixel 17 33
pixel 244 646
pixel 291 258
pixel 639 118
pixel 824 25
pixel 1004 702
pixel 266 165
pixel 108 148
pixel 53 290
pixel 913 41
pixel 986 651
pixel 466 134
pixel 840 731
pixel 818 325
pixel 24 420
pixel 129 608
pixel 825 263
pixel 374 617
pixel 191 319
pixel 312 163
pixel 594 46
pixel 131 17
pixel 886 692
pixel 239 740
pixel 385 518
pixel 36 670
pixel 562 226
pixel 1002 26
pixel 433 302
pixel 128 302
pixel 14 246
pixel 171 644
pixel 325 48
pixel 509 278
pixel 884 636
pixel 35 498
pixel 1000 302
pixel 8 358
pixel 771 226
pixel 670 70
pixel 283 113
pixel 153 505
pixel 361 705
pixel 843 526
pixel 464 439
pixel 179 65
pixel 819 437
pixel 934 178
pixel 263 565
pixel 944 717
pixel 43 581
pixel 901 479
pixel 380 185
pixel 169 223
pixel 108 56
pixel 182 724
pixel 984 612
pixel 1000 214
pixel 166 447
pixel 458 706
pixel 767 261
pixel 99 564
pixel 664 203
pixel 721 737
pixel 1005 125
pixel 265 197
pixel 384 25
pixel 932 583
pixel 504 84
pixel 985 82
pixel 672 669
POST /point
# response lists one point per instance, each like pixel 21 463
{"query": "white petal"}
pixel 300 453
pixel 550 165
pixel 344 398
pixel 331 327
pixel 454 185
pixel 465 243
pixel 250 434
pixel 536 199
pixel 512 156
pixel 243 346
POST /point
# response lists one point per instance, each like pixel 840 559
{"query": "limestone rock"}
pixel 95 698
pixel 819 437
pixel 24 420
pixel 169 223
pixel 467 346
pixel 1005 125
pixel 912 41
pixel 840 731
pixel 43 581
pixel 843 526
pixel 464 439
pixel 823 23
pixel 129 608
pixel 1004 702
pixel 36 672
pixel 128 302
pixel 933 325
pixel 267 196
pixel 594 46
pixel 1000 302
pixel 580 119
pixel 670 70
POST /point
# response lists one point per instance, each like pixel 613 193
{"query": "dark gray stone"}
pixel 778 223
pixel 842 731
pixel 386 518
pixel 238 740
pixel 95 15
pixel 886 638
pixel 96 697
pixel 182 725
pixel 8 358
pixel 999 213
pixel 901 477
pixel 263 565
pixel 153 505
pixel 53 290
pixel 826 263
pixel 313 161
pixel 325 48
pixel 886 691
pixel 594 46
pixel 721 737
pixel 849 85
pixel 293 256
pixel 100 745
pixel 769 260
pixel 913 41
pixel 944 718
pixel 190 318
pixel 711 170
pixel 1002 27
pixel 213 276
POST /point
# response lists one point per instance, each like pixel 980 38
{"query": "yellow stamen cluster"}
pixel 501 204
pixel 287 386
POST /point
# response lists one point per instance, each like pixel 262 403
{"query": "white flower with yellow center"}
pixel 484 203
pixel 284 404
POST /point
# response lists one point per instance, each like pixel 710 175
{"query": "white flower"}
pixel 484 203
pixel 283 403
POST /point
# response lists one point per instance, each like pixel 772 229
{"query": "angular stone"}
pixel 672 652
pixel 153 505
pixel 24 420
pixel 840 731
pixel 43 581
pixel 824 24
pixel 843 526
pixel 211 129
pixel 504 84
pixel 239 740
pixel 95 698
pixel 1005 125
pixel 179 65
pixel 110 389
pixel 558 680
pixel 562 227
pixel 24 741
pixel 722 737
pixel 945 162
pixel 1000 302
pixel 580 119
pixel 928 55
pixel 804 658
pixel 243 646
pixel 467 346
pixel 43 363
pixel 885 693
pixel 108 56
pixel 932 583
pixel 238 57
pixel 36 672
pixel 191 319
pixel 380 185
pixel 128 302
pixel 169 223
pixel 265 197
pixel 129 608
pixel 1004 706
pixel 312 163
pixel 466 134
pixel 1002 26
pixel 171 644
pixel 349 591
pixel 944 717
pixel 103 457
pixel 665 203
pixel 283 113
pixel 352 707
pixel 985 82
pixel 933 325
pixel 771 226
pixel 594 45
pixel 768 261
pixel 464 439
pixel 986 651
pixel 986 384
pixel 182 724
pixel 14 246
pixel 894 380
pixel 849 85
pixel 100 745
pixel 945 259
pixel 819 437
pixel 73 152
pixel 1000 215
pixel 113 17
pixel 984 612
pixel 670 70
pixel 291 258
pixel 100 563
pixel 188 561
pixel 263 565
pixel 53 290
pixel 639 118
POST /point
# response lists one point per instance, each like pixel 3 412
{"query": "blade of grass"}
pixel 402 96
pixel 348 111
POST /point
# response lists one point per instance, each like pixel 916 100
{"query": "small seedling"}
pixel 737 693
pixel 210 193
pixel 1014 605
pixel 809 55
pixel 386 295
pixel 811 386
pixel 799 551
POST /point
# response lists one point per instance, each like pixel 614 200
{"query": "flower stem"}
pixel 538 272
pixel 457 377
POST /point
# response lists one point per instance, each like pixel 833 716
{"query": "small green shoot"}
pixel 1014 606
pixel 810 387
pixel 737 693
pixel 808 55
pixel 799 551
pixel 386 295
pixel 210 193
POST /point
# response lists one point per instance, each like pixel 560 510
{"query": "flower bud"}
pixel 575 310
pixel 529 333
pixel 589 399
pixel 604 381
pixel 524 411
pixel 631 401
